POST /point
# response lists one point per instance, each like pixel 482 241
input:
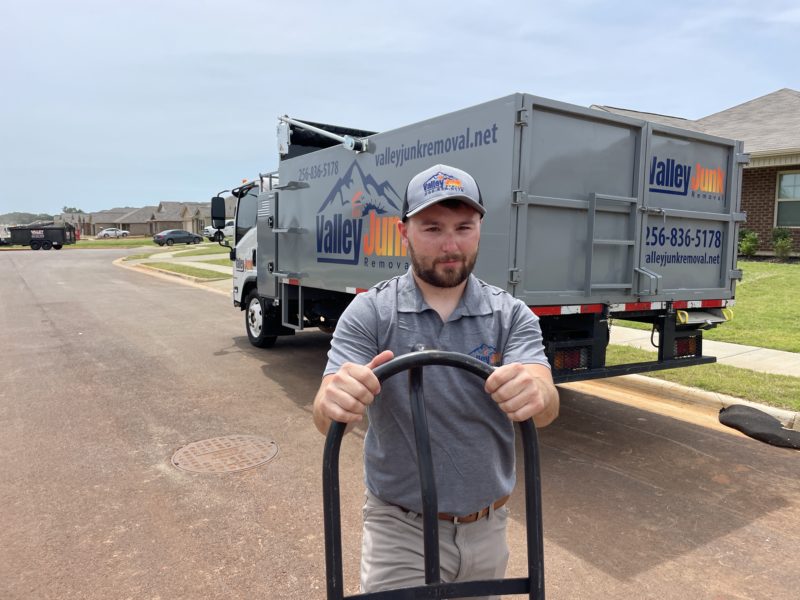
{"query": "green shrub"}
pixel 743 231
pixel 781 233
pixel 782 242
pixel 748 243
pixel 783 247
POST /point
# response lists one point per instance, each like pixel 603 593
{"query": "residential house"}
pixel 769 126
pixel 108 218
pixel 82 222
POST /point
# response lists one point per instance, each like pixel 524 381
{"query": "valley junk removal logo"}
pixel 366 234
pixel 668 176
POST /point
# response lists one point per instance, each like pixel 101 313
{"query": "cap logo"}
pixel 441 182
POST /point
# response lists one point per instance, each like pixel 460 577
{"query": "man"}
pixel 440 305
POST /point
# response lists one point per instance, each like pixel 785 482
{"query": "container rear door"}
pixel 691 196
pixel 577 216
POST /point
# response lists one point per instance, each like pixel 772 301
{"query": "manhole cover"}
pixel 225 454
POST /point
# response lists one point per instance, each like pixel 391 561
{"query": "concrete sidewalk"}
pixel 763 360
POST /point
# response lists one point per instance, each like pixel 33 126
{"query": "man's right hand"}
pixel 345 395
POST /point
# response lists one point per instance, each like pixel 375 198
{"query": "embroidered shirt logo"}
pixel 487 354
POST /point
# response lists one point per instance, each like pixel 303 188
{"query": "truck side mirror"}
pixel 218 212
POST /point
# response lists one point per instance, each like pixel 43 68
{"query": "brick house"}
pixel 769 126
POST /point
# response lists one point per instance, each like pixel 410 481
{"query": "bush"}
pixel 782 242
pixel 748 243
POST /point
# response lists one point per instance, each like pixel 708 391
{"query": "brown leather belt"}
pixel 471 518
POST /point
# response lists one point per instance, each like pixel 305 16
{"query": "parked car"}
pixel 112 232
pixel 176 236
pixel 215 235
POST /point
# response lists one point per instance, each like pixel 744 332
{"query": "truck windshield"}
pixel 246 214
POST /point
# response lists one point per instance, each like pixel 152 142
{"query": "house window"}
pixel 787 213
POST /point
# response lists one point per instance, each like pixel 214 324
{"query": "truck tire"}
pixel 47 244
pixel 254 322
pixel 124 235
pixel 35 245
pixel 57 246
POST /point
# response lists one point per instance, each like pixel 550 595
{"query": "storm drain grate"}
pixel 226 454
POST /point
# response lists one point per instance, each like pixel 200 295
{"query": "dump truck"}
pixel 42 236
pixel 590 218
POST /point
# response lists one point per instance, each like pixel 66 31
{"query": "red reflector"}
pixel 294 282
pixel 711 303
pixel 592 308
pixel 638 306
pixel 545 311
pixel 680 304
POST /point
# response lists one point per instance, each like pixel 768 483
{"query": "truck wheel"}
pixel 124 235
pixel 36 245
pixel 57 246
pixel 47 244
pixel 254 322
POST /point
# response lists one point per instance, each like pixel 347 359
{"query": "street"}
pixel 107 372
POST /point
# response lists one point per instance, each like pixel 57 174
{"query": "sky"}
pixel 108 103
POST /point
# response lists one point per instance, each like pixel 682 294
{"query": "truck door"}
pixel 690 209
pixel 577 218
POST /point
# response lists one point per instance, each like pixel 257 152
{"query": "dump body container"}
pixel 589 215
pixel 42 236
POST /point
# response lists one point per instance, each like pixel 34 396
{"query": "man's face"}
pixel 443 243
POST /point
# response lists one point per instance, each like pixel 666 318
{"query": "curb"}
pixel 713 400
pixel 180 277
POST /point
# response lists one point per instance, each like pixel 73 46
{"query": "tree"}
pixel 70 209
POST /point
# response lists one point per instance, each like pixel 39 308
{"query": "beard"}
pixel 432 273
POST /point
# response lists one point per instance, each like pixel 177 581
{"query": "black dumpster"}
pixel 42 236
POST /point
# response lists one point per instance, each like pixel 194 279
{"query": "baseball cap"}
pixel 438 183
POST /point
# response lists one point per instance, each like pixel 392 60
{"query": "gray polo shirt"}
pixel 472 439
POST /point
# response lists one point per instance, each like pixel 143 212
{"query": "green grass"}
pixel 780 391
pixel 127 242
pixel 765 311
pixel 210 249
pixel 223 262
pixel 187 270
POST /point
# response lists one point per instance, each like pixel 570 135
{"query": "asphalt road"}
pixel 105 373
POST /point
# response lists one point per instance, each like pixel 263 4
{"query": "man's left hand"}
pixel 524 392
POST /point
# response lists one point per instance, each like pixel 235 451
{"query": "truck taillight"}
pixel 571 358
pixel 685 346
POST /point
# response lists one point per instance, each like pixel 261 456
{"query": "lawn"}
pixel 128 242
pixel 203 251
pixel 222 262
pixel 764 312
pixel 780 391
pixel 186 270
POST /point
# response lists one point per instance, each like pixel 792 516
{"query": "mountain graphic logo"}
pixel 363 193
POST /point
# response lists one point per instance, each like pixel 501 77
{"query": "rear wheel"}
pixel 124 235
pixel 170 242
pixel 57 246
pixel 254 315
pixel 105 235
pixel 47 244
pixel 35 245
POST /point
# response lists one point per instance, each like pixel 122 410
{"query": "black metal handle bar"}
pixel 533 584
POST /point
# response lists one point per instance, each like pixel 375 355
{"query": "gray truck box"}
pixel 589 216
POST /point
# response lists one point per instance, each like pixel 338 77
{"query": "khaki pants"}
pixel 392 552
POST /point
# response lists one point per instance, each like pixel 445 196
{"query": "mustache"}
pixel 449 257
